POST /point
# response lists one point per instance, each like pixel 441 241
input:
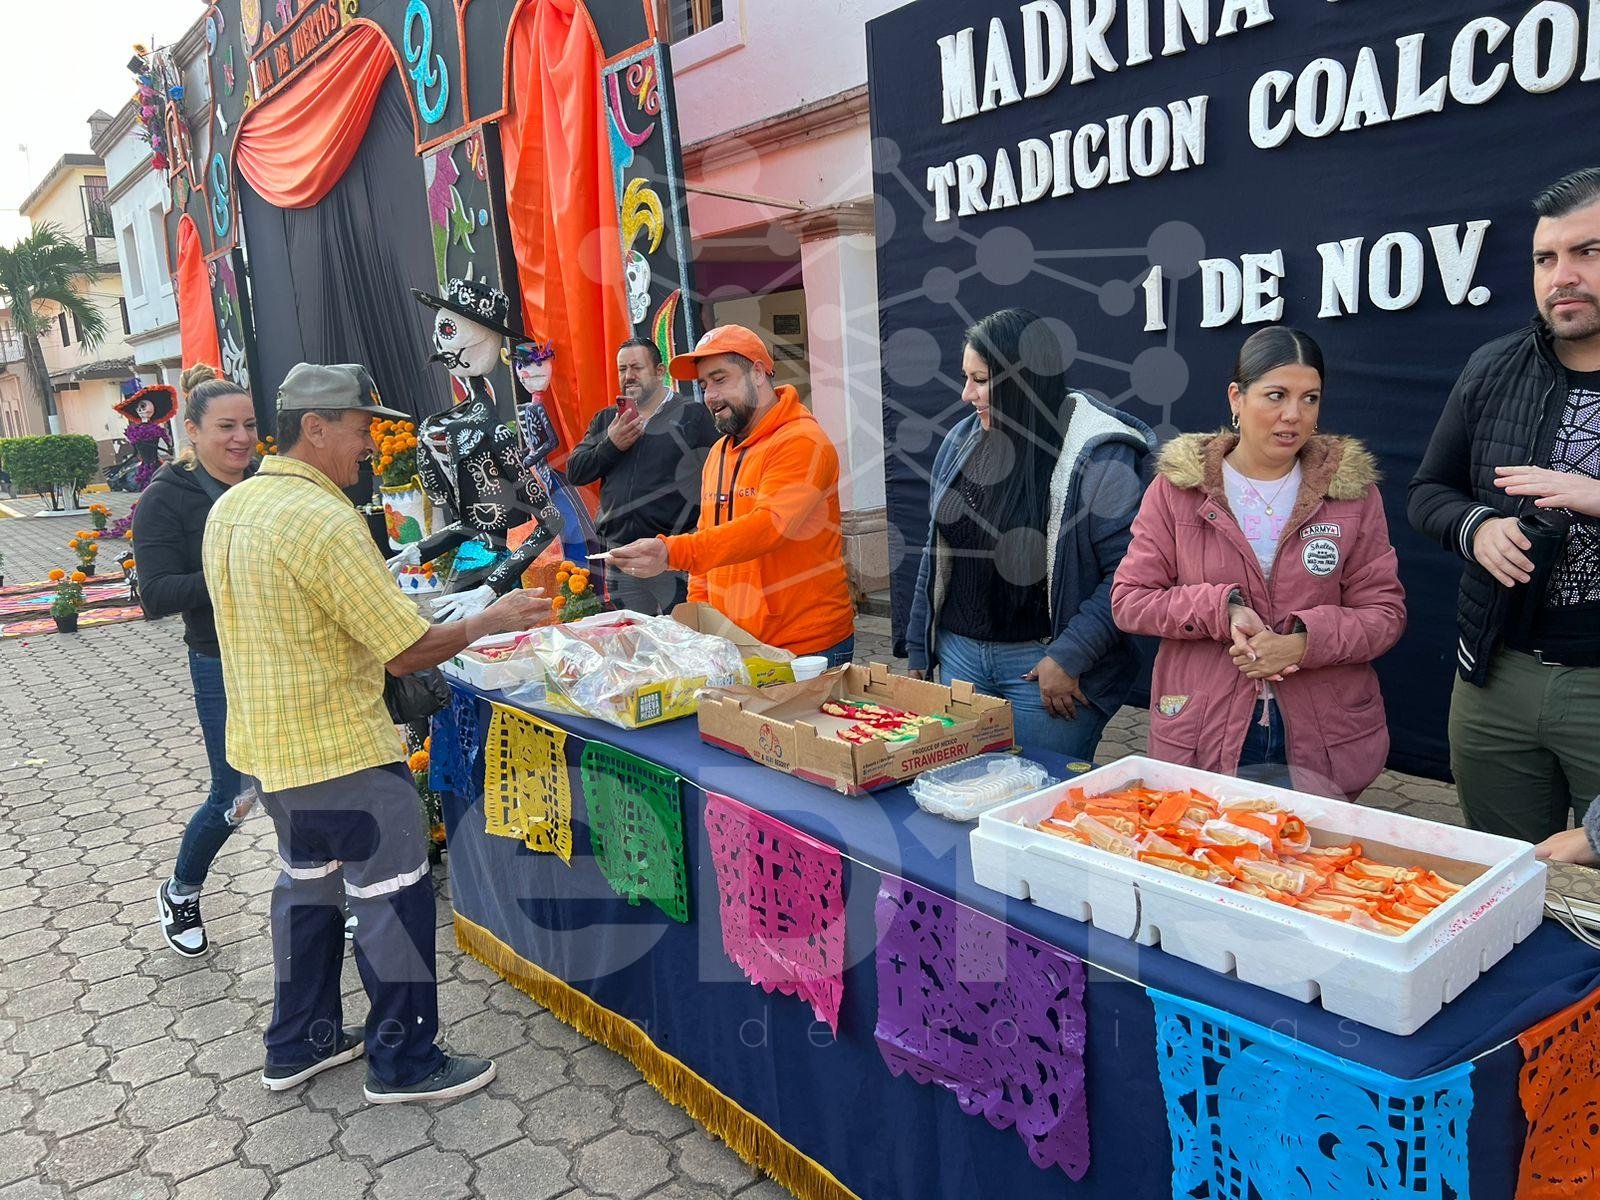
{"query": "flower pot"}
pixel 406 512
pixel 67 624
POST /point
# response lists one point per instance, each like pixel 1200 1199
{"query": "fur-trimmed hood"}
pixel 1331 467
pixel 1340 468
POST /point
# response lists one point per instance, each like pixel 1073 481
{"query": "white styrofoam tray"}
pixel 494 675
pixel 1392 983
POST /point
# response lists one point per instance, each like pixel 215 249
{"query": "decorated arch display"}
pixel 548 167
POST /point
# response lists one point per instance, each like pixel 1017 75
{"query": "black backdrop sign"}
pixel 1162 176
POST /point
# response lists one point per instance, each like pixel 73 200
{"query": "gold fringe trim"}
pixel 746 1134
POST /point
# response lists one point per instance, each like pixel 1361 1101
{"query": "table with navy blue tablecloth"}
pixel 830 1098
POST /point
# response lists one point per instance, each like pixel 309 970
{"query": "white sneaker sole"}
pixel 465 1088
pixel 316 1068
pixel 163 915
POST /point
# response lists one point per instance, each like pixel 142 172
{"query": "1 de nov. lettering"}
pixel 1390 274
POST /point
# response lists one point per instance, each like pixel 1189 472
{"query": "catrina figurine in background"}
pixel 149 412
pixel 531 362
pixel 470 461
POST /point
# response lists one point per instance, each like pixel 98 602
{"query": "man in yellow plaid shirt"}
pixel 309 620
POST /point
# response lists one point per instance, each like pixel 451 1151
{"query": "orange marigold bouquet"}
pixel 100 515
pixel 576 596
pixel 86 548
pixel 397 451
pixel 68 599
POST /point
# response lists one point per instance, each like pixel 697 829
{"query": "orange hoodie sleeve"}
pixel 792 486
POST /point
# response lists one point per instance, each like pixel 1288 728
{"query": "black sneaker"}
pixel 458 1077
pixel 180 921
pixel 351 1045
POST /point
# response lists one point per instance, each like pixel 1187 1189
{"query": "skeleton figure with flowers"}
pixel 470 462
pixel 149 412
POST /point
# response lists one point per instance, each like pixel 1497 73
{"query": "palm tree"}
pixel 44 268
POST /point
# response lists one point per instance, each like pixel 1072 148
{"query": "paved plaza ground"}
pixel 128 1072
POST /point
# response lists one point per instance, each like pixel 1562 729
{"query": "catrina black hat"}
pixel 488 306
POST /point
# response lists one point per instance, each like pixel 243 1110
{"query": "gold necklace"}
pixel 1257 491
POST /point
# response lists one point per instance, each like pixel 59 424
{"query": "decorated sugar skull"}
pixel 469 327
pixel 637 273
pixel 533 365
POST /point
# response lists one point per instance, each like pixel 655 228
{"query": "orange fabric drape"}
pixel 197 319
pixel 562 207
pixel 293 147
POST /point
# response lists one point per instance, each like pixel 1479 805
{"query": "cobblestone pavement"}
pixel 131 1073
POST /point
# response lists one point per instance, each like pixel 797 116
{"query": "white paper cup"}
pixel 809 667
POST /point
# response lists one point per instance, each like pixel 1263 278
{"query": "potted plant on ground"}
pixel 87 548
pixel 101 515
pixel 68 600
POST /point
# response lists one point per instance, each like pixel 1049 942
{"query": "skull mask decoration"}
pixel 636 272
pixel 464 347
pixel 469 327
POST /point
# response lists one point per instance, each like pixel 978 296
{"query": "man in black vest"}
pixel 1511 483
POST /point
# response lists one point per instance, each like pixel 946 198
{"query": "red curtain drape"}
pixel 562 206
pixel 293 147
pixel 197 319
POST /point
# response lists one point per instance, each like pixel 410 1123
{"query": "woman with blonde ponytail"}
pixel 168 527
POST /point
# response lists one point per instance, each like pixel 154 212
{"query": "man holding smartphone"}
pixel 646 451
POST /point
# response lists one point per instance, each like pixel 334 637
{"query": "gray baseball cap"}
pixel 342 385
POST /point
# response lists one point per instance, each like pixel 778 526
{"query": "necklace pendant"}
pixel 1269 510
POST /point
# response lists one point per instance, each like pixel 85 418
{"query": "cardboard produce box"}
pixel 766 664
pixel 780 727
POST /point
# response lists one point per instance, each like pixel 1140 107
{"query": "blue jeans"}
pixel 1265 756
pixel 997 669
pixel 838 655
pixel 213 821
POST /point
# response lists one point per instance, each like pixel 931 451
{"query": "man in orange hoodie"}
pixel 767 552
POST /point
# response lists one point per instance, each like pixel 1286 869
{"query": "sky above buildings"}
pixel 59 61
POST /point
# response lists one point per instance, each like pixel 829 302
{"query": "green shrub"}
pixel 56 465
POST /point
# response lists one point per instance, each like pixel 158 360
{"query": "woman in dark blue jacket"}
pixel 1032 500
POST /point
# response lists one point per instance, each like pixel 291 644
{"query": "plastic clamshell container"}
pixel 963 791
pixel 1391 983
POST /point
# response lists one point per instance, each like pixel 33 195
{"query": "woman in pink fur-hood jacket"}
pixel 1261 559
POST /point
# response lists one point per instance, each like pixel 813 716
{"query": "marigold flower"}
pixel 127 564
pixel 78 577
pixel 568 566
pixel 563 576
pixel 418 761
pixel 73 544
pixel 578 584
pixel 57 575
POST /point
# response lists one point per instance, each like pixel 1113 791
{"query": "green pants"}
pixel 1525 747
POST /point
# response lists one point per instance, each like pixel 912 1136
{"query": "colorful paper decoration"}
pixel 1252 1113
pixel 1560 1092
pixel 455 756
pixel 989 1012
pixel 527 792
pixel 636 828
pixel 781 897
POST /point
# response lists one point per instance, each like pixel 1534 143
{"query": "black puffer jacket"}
pixel 1504 411
pixel 168 527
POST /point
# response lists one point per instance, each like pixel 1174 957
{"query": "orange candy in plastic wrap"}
pixel 1253 846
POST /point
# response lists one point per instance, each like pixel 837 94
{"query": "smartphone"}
pixel 626 407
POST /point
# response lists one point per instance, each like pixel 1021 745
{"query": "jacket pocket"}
pixel 1176 724
pixel 1356 751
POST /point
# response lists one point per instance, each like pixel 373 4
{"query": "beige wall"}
pixel 61 204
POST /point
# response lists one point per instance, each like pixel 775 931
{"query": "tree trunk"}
pixel 39 374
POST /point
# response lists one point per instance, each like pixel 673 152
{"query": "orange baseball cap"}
pixel 724 339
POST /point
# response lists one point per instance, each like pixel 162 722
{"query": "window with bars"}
pixel 96 212
pixel 685 18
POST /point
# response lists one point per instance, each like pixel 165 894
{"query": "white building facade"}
pixel 780 206
pixel 138 197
